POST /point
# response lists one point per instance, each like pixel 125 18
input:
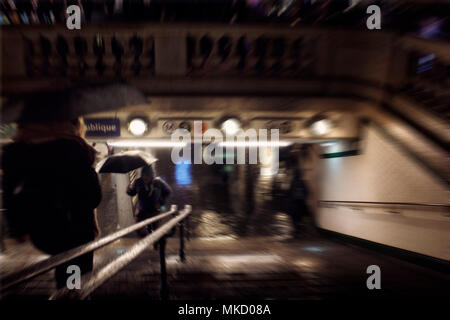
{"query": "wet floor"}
pixel 311 267
pixel 240 248
pixel 229 200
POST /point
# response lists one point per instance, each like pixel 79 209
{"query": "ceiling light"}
pixel 138 127
pixel 231 126
pixel 319 125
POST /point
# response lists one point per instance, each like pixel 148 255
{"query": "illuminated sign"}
pixel 102 127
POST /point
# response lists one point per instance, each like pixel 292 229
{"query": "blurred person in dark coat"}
pixel 297 195
pixel 152 193
pixel 51 189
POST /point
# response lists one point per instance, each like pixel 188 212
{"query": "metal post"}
pixel 164 291
pixel 188 229
pixel 2 231
pixel 182 256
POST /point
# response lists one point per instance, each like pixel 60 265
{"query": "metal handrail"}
pixel 41 267
pixel 93 280
pixel 440 205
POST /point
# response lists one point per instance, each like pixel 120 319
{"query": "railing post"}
pixel 188 229
pixel 2 231
pixel 182 256
pixel 164 291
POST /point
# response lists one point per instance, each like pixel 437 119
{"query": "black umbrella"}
pixel 68 104
pixel 125 162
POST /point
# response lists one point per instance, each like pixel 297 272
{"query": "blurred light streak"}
pixel 283 143
pixel 162 143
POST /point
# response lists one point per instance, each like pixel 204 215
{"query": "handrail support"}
pixel 164 290
pixel 181 250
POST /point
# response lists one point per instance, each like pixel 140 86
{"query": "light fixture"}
pixel 231 126
pixel 138 127
pixel 319 125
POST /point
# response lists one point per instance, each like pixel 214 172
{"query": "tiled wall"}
pixel 385 173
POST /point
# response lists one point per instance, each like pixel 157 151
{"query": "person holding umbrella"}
pixel 51 189
pixel 152 193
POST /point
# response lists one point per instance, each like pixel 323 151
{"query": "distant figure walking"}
pixel 152 193
pixel 51 190
pixel 298 193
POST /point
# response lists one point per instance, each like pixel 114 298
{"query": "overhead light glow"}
pixel 255 143
pixel 162 143
pixel 138 127
pixel 320 127
pixel 231 126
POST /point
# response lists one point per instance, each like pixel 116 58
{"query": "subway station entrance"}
pixel 238 238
